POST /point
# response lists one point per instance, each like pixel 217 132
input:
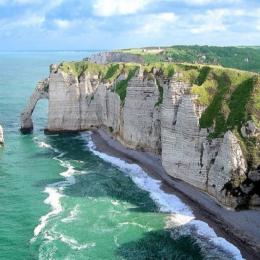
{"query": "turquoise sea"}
pixel 61 199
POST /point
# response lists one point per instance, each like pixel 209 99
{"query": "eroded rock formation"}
pixel 40 92
pixel 169 127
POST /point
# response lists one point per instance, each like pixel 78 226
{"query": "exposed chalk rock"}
pixel 78 104
pixel 107 57
pixel 182 139
pixel 170 128
pixel 141 126
pixel 40 92
pixel 249 130
pixel 228 170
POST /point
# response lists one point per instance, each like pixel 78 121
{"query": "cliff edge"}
pixel 203 121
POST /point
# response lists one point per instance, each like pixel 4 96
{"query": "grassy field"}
pixel 244 58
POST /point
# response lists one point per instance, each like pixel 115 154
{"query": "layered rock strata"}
pixel 40 92
pixel 169 127
pixel 108 57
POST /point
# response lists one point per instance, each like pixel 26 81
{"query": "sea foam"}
pixel 72 215
pixel 54 190
pixel 181 214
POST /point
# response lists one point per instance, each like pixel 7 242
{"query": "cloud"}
pixel 155 23
pixel 125 23
pixel 62 24
pixel 214 20
pixel 108 8
pixel 211 21
pixel 21 2
pixel 25 2
pixel 208 2
pixel 26 21
pixel 31 20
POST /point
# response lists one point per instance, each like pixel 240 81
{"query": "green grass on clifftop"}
pixel 230 97
pixel 78 68
pixel 244 58
pixel 121 86
pixel 106 72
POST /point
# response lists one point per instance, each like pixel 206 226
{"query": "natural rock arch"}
pixel 41 92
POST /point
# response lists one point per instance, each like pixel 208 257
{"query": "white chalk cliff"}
pixel 40 92
pixel 170 129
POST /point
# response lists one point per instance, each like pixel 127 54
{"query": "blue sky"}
pixel 110 24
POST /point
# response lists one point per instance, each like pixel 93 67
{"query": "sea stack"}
pixel 1 136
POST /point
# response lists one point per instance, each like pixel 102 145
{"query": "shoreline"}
pixel 241 228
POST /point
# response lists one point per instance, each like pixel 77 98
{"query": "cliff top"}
pixel 231 97
pixel 243 57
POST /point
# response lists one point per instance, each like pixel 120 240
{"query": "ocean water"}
pixel 62 199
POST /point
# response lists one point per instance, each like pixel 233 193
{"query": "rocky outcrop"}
pixel 182 139
pixel 228 171
pixel 81 103
pixel 158 115
pixel 40 92
pixel 141 123
pixel 108 57
pixel 216 166
pixel 249 130
pixel 1 136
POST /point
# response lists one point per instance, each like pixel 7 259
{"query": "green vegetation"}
pixel 46 87
pixel 81 67
pixel 244 58
pixel 203 74
pixel 238 102
pixel 231 97
pixel 226 94
pixel 160 98
pixel 106 72
pixel 121 86
pixel 214 115
pixel 112 72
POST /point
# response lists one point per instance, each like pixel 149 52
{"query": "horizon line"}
pixel 155 46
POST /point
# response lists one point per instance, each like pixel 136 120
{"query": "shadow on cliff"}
pixel 160 245
pixel 95 177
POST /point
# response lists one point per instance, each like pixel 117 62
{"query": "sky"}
pixel 114 24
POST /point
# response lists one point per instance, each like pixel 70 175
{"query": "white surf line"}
pixel 54 190
pixel 72 215
pixel 71 242
pixel 169 203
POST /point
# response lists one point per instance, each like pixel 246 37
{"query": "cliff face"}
pixel 158 113
pixel 187 153
pixel 108 57
pixel 81 103
pixel 141 118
